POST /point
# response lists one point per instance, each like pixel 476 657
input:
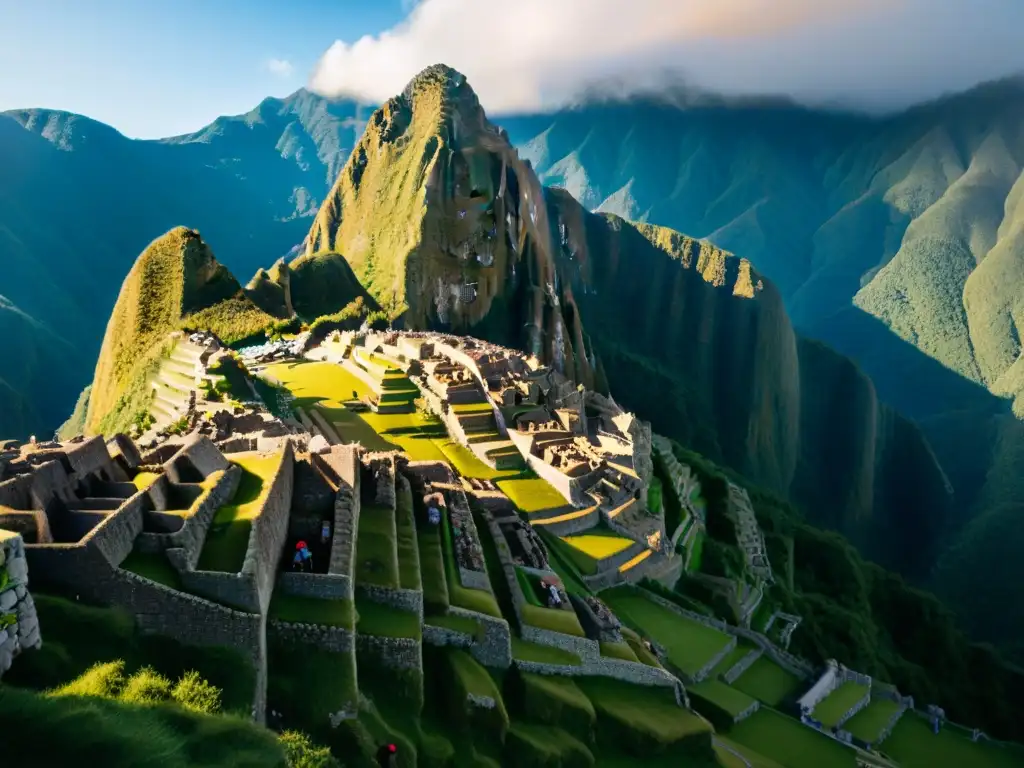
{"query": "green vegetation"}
pixel 175 283
pixel 645 722
pixel 689 645
pixel 531 494
pixel 618 651
pixel 228 538
pixel 554 619
pixel 587 550
pixel 385 621
pixel 913 745
pixel 55 729
pixel 768 682
pixel 305 683
pixel 790 743
pixel 468 678
pixel 462 624
pixel 299 609
pixel 376 556
pixel 720 696
pixel 78 637
pixel 655 501
pixel 553 701
pixel 542 654
pixel 154 566
pixel 830 709
pixel 464 597
pixel 867 724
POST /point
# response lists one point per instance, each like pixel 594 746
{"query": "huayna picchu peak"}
pixel 475 476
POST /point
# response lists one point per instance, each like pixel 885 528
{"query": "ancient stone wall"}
pixel 50 480
pixel 270 528
pixel 91 456
pixel 115 536
pixel 408 600
pixel 443 636
pixel 19 625
pixel 198 454
pixel 123 450
pixel 190 537
pixel 392 652
pixel 333 639
pixel 16 493
pixel 326 586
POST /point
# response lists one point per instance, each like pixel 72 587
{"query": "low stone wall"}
pixel 443 636
pixel 863 702
pixel 493 646
pixel 741 666
pixel 565 485
pixel 190 538
pixel 198 454
pixel 326 586
pixel 235 589
pixel 333 639
pixel 408 600
pixel 392 652
pixel 115 536
pixel 19 625
pixel 270 528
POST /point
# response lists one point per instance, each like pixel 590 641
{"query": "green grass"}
pixel 830 709
pixel 554 619
pixel 742 649
pixel 721 695
pixel 552 700
pixel 306 683
pixel 644 721
pixel 589 549
pixel 469 678
pixel 385 621
pixel 408 549
pixel 532 494
pixel 77 636
pixel 913 745
pixel 634 642
pixel 458 623
pixel 789 742
pixel 432 568
pixel 689 644
pixel 228 537
pixel 697 550
pixel 474 678
pixel 532 744
pixel 563 565
pixel 64 730
pixel 618 651
pixel 869 722
pixel 655 500
pixel 524 650
pixel 375 552
pixel 768 682
pixel 298 609
pixel 154 566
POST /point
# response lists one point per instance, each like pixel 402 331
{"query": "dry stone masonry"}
pixel 19 625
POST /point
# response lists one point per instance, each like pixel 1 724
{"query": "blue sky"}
pixel 157 68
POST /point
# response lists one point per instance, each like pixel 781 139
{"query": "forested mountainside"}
pixel 79 202
pixel 894 240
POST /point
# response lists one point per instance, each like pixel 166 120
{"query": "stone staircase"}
pixel 176 383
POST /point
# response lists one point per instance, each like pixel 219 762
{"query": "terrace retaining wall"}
pixel 188 540
pixel 493 646
pixel 392 652
pixel 328 638
pixel 198 453
pixel 408 600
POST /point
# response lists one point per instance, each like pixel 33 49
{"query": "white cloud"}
pixel 535 54
pixel 280 67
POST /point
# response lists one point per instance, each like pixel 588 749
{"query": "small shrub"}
pixel 301 752
pixel 195 693
pixel 147 686
pixel 105 679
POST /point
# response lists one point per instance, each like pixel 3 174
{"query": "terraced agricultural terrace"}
pixel 437 543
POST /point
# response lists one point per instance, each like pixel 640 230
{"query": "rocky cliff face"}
pixel 447 227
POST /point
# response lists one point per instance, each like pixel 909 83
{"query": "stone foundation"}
pixel 19 626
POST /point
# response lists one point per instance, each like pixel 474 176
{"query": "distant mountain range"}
pixel 896 240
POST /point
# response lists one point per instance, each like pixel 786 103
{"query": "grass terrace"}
pixel 768 682
pixel 589 549
pixel 297 609
pixel 304 682
pixel 869 722
pixel 790 743
pixel 643 655
pixel 376 560
pixel 385 621
pixel 464 597
pixel 143 480
pixel 620 651
pixel 562 564
pixel 154 566
pixel 537 614
pixel 742 649
pixel 432 568
pixel 832 708
pixel 228 537
pixel 913 745
pixel 644 721
pixel 723 696
pixel 524 650
pixel 467 408
pixel 689 644
pixel 531 494
pixel 454 622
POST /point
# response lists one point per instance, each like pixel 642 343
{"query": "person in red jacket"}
pixel 387 756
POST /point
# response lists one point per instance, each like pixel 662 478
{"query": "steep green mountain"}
pixel 683 332
pixel 79 201
pixel 176 283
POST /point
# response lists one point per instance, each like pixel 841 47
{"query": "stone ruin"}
pixel 19 626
